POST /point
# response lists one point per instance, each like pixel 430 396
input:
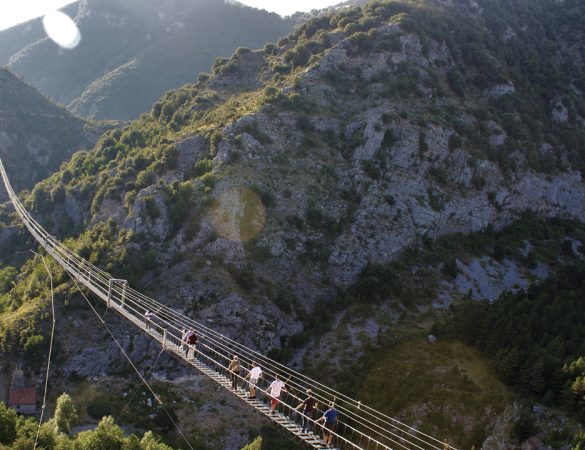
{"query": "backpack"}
pixel 192 340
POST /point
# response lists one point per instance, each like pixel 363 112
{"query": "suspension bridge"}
pixel 358 426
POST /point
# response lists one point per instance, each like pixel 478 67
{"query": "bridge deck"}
pixel 286 422
pixel 360 427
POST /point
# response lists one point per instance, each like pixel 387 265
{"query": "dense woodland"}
pixel 535 338
pixel 20 433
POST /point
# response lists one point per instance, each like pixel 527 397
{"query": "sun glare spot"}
pixel 238 215
pixel 61 29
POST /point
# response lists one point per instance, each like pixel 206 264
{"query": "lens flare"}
pixel 238 215
pixel 61 29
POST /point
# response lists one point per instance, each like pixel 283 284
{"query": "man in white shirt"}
pixel 274 391
pixel 254 375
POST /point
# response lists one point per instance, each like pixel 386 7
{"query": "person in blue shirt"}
pixel 330 421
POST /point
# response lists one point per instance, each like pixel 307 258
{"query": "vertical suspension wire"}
pixel 102 278
pixel 140 376
pixel 50 350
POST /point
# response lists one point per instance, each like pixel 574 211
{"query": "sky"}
pixel 13 12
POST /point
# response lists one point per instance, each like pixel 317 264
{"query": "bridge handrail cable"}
pixel 139 303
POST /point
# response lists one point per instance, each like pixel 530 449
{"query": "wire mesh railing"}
pixel 357 426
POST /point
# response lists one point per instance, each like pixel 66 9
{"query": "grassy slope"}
pixel 447 387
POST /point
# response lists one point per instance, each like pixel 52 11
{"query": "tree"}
pixel 27 432
pixel 7 424
pixel 133 443
pixel 64 442
pixel 65 414
pixel 579 441
pixel 150 442
pixel 106 435
pixel 254 445
pixel 23 443
pixel 7 277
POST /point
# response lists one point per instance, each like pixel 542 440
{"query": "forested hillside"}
pixel 132 52
pixel 36 136
pixel 381 173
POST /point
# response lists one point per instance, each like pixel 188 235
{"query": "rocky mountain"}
pixel 132 52
pixel 328 199
pixel 36 136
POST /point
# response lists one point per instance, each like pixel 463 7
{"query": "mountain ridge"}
pixel 299 197
pixel 169 44
pixel 36 135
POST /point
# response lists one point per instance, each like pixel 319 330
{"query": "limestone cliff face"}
pixel 267 188
pixel 368 149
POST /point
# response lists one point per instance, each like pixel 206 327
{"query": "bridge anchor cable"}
pixel 358 426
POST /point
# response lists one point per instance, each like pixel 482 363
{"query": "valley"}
pixel 387 199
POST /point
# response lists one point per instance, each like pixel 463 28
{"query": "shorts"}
pixel 329 428
pixel 275 401
pixel 253 382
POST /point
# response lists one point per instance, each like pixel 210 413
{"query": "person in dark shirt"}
pixel 330 421
pixel 307 407
pixel 191 341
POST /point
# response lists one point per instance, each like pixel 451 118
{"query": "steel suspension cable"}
pixel 259 357
pixel 170 316
pixel 142 379
pixel 50 350
pixel 103 278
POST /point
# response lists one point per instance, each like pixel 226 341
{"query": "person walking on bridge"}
pixel 330 421
pixel 254 375
pixel 274 390
pixel 187 339
pixel 184 340
pixel 234 370
pixel 307 407
pixel 192 344
pixel 148 315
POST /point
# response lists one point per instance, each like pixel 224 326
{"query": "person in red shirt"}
pixel 274 390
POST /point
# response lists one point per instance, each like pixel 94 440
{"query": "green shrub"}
pixel 304 123
pixel 456 82
pixel 440 173
pixel 266 197
pixel 389 139
pixel 202 167
pixel 376 282
pixel 242 51
pixel 150 208
pixel 253 129
pixel 455 142
pixel 269 49
pixel 372 169
pixel 203 77
pixel 450 269
pixel 145 178
pixel 99 407
pixel 298 56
